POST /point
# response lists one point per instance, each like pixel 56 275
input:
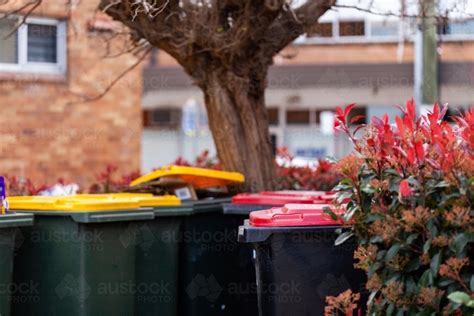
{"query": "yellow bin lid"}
pixel 199 178
pixel 70 204
pixel 143 199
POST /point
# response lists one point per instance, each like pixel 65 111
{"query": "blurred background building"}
pixel 351 56
pixel 58 59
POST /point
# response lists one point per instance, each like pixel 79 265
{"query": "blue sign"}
pixel 312 152
pixel 2 188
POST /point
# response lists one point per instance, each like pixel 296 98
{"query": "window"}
pixel 38 45
pixel 384 28
pixel 465 27
pixel 274 143
pixel 323 29
pixel 273 116
pixel 162 118
pixel 300 117
pixel 355 31
pixel 351 28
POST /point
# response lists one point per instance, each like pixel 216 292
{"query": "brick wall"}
pixel 370 53
pixel 47 133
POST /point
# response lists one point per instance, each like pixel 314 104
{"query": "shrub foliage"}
pixel 410 186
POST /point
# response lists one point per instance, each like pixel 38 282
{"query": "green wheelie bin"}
pixel 75 257
pixel 209 262
pixel 9 233
pixel 157 259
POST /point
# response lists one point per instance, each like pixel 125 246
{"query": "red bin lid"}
pixel 267 199
pixel 295 215
pixel 296 193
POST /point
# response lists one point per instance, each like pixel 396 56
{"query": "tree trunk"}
pixel 239 124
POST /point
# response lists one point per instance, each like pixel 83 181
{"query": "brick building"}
pixel 352 56
pixel 48 67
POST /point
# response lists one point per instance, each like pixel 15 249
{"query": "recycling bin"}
pixel 237 212
pixel 157 260
pixel 9 239
pixel 207 239
pixel 297 263
pixel 157 251
pixel 208 263
pixel 73 260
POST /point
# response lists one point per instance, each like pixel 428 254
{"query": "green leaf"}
pixel 343 237
pixel 433 229
pixel 341 196
pixel 460 242
pixel 426 246
pixel 460 298
pixel 373 268
pixel 371 298
pixel 391 172
pixel 411 238
pixel 426 279
pixel 327 210
pixel 369 189
pixel 435 263
pixel 445 282
pixel 413 265
pixel 373 217
pixel 472 283
pixel 390 309
pixel 350 213
pixel 392 252
pixel 376 239
pixel 442 184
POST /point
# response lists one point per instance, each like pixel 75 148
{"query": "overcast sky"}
pixel 456 8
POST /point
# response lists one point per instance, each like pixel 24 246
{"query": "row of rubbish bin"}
pixel 262 254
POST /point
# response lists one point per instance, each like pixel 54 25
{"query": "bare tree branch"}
pixel 34 4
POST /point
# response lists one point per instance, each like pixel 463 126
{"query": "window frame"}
pixel 366 38
pixel 25 66
pixel 456 37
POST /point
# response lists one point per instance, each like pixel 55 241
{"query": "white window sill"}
pixel 372 40
pixel 35 76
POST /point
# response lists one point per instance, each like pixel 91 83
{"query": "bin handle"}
pixel 291 216
pixel 113 217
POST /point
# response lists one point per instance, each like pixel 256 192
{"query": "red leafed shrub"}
pixel 321 178
pixel 17 187
pixel 108 181
pixel 411 187
pixel 203 160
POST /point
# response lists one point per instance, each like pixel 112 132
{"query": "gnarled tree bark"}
pixel 226 46
pixel 238 120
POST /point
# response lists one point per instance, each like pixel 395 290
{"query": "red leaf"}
pixel 356 118
pixel 348 109
pixel 405 189
pixel 411 155
pixel 411 109
pixel 420 152
pixel 399 122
